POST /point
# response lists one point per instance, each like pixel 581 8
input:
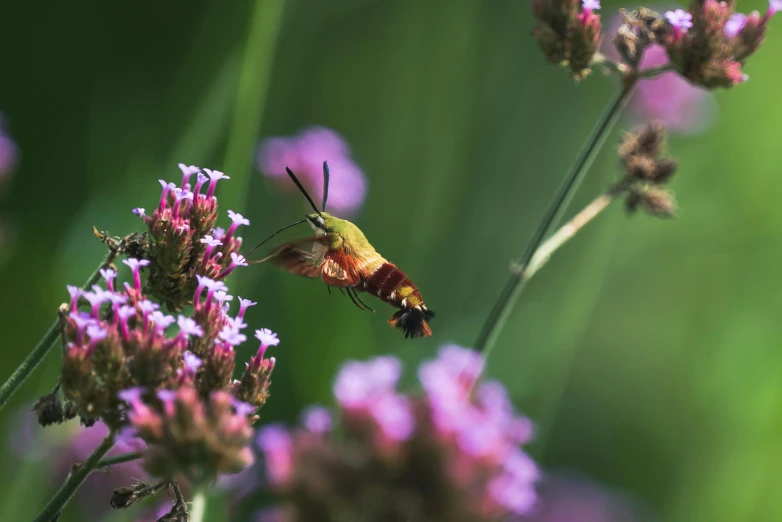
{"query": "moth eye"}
pixel 319 222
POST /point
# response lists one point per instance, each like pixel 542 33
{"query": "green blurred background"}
pixel 647 351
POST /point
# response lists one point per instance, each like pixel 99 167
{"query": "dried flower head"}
pixel 444 455
pixel 568 32
pixel 647 169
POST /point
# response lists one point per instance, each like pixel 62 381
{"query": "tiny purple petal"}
pixel 148 306
pixel 238 259
pixel 134 263
pixel 215 175
pixel 188 327
pixel 126 312
pixel 161 320
pixel 735 24
pixel 232 336
pixel 210 241
pixel 242 408
pixel 109 274
pixel 139 211
pixel 74 291
pixel 267 337
pixel 131 395
pixel 317 419
pixel 680 19
pixel 192 361
pixel 82 320
pixel 774 6
pixel 97 332
pixel 218 232
pixel 592 5
pixel 237 218
pixel 222 297
pixel 167 397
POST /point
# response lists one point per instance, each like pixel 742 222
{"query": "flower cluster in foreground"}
pixel 167 379
pixel 568 32
pixel 304 154
pixel 184 240
pixel 450 453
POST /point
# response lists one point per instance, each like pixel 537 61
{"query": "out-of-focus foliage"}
pixel 646 351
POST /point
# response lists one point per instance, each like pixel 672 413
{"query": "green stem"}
pixel 198 506
pixel 516 283
pixel 74 481
pixel 119 459
pixel 35 357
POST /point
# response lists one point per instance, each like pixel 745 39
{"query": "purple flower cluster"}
pixel 568 32
pixel 452 453
pixel 175 390
pixel 305 153
pixel 184 239
pixel 709 44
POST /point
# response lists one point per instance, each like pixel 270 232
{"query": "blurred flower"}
pixel 56 449
pixel 572 497
pixel 304 154
pixel 683 107
pixel 568 32
pixel 447 454
pixel 9 153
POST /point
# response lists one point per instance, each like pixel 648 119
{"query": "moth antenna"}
pixel 271 236
pixel 301 188
pixel 325 185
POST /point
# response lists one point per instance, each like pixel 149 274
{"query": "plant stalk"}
pixel 35 357
pixel 566 232
pixel 198 505
pixel 119 459
pixel 516 283
pixel 76 478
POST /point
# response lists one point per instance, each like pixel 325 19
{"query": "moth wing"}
pixel 291 258
pixel 339 269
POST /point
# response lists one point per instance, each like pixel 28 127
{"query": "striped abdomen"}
pixel 392 286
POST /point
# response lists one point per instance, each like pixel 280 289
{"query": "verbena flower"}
pixel 183 239
pixel 446 454
pixel 167 379
pixel 710 43
pixel 305 153
pixel 568 32
pixel 683 107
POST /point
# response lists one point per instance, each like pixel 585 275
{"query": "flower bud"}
pixel 49 409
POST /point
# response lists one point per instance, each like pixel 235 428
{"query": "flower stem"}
pixel 119 459
pixel 76 478
pixel 516 283
pixel 567 231
pixel 198 506
pixel 35 357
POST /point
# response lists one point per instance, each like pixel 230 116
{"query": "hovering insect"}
pixel 341 255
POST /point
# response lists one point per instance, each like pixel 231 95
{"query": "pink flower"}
pixel 304 154
pixel 684 108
